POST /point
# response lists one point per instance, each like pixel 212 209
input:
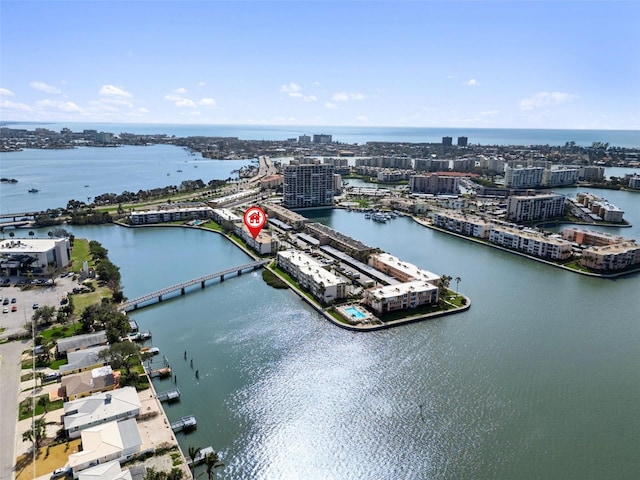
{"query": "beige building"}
pixel 85 383
pixel 591 237
pixel 312 275
pixel 611 257
pixel 537 207
pixel 400 270
pixel 401 297
pixel 35 255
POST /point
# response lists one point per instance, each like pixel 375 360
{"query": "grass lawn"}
pixel 25 407
pixel 83 300
pixel 60 331
pixel 211 225
pixel 47 460
pixel 80 253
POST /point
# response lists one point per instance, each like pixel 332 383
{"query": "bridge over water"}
pixel 158 295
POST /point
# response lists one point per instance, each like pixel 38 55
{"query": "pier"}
pixel 185 424
pixel 159 295
pixel 172 395
pixel 202 454
pixel 153 370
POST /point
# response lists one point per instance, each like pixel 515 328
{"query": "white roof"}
pixel 106 471
pixel 105 440
pixel 408 268
pixel 97 407
pixel 28 245
pixel 390 291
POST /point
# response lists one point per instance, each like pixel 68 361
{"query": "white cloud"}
pixel 545 99
pixel 291 88
pixel 43 87
pixel 181 90
pixel 208 102
pixel 346 96
pixel 60 106
pixel 471 83
pixel 5 92
pixel 112 91
pixel 295 91
pixel 9 105
pixel 331 105
pixel 179 101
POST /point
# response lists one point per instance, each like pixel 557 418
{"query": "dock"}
pixel 160 369
pixel 172 395
pixel 202 454
pixel 185 424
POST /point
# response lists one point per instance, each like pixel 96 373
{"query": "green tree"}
pixel 121 355
pixel 44 314
pixel 36 434
pixel 457 280
pixel 212 461
pixel 193 453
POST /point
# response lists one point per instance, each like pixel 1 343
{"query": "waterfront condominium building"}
pixel 538 207
pixel 611 257
pixel 308 185
pixel 531 243
pixel 434 184
pixel 470 225
pixel 313 276
pixel 523 177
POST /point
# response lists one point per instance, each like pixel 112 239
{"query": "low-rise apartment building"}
pixel 611 257
pixel 171 213
pixel 531 243
pixel 403 296
pixel 312 275
pixel 400 270
pixel 469 225
pixel 591 237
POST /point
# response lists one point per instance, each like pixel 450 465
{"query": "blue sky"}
pixel 508 64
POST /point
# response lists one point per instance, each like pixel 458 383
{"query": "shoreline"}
pixel 521 254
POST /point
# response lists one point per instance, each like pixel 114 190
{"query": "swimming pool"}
pixel 353 312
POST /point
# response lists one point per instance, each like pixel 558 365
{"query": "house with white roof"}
pixel 100 408
pixel 106 442
pixel 106 471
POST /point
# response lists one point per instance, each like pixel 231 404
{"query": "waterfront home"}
pixel 82 384
pixel 106 442
pixel 100 408
pixel 106 471
pixel 80 342
pixel 83 359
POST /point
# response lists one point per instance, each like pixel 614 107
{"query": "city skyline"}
pixel 474 64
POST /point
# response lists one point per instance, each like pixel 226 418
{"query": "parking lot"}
pixel 26 295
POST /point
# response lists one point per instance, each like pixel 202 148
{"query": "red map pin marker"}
pixel 255 219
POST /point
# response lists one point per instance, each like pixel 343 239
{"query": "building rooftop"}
pixel 99 406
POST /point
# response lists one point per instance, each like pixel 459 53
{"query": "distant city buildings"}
pixel 462 141
pixel 308 185
pixel 322 138
pixel 447 141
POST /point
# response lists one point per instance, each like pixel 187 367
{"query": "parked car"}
pixel 13 300
pixel 61 472
pixel 35 306
pixel 14 308
pixel 5 301
pixel 5 310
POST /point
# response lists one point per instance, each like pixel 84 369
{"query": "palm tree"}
pixel 212 461
pixel 457 280
pixel 193 453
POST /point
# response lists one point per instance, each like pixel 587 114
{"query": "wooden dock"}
pixel 202 454
pixel 160 369
pixel 185 424
pixel 172 395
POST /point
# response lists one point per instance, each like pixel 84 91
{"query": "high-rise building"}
pixel 308 185
pixel 537 207
pixel 321 138
pixel 434 184
pixel 447 141
pixel 462 141
pixel 304 139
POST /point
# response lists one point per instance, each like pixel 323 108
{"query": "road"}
pixel 10 371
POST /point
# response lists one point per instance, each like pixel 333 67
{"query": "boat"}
pixel 179 171
pixel 367 216
pixel 379 217
pixel 33 190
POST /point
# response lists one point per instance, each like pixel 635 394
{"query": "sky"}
pixel 472 64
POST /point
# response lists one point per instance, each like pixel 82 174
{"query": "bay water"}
pixel 539 379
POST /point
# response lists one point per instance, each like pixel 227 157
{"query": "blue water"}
pixel 354 312
pixel 482 136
